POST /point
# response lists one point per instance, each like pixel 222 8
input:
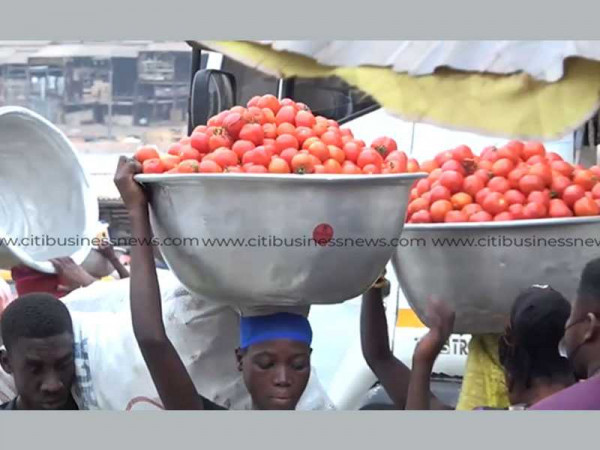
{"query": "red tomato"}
pixel 559 208
pixel 288 154
pixel 530 183
pixel 332 166
pixel 253 101
pixel 286 128
pixel 460 200
pixel 471 209
pixel 584 178
pixel 495 203
pixel 551 156
pixel 384 145
pixel 303 133
pixel 369 156
pixel 586 207
pixel 543 171
pixel 175 149
pixel 422 186
pixel 537 159
pixel 320 150
pixel 435 175
pixel 310 141
pixel 412 166
pixel 481 216
pixel 393 167
pixel 539 197
pixel 516 210
pixel 596 171
pixel 220 140
pixel 286 114
pixel 319 169
pixel 217 121
pixel 490 154
pixel 511 153
pixel 452 180
pixel 336 153
pixel 349 168
pixel 199 129
pixel 305 119
pixel 502 167
pixel 503 217
pixel 559 184
pixel 352 149
pixel 456 216
pixel 258 156
pixel 346 132
pixel 153 165
pixel 241 147
pixel 533 149
pixel 371 169
pixel 482 194
pixel 484 174
pixel 499 184
pixel 269 117
pixel 321 128
pixel 233 169
pixel 534 211
pixel 252 132
pixel 209 167
pixel 572 193
pixel 270 130
pixel 473 184
pixel 302 163
pixel 400 158
pixel 268 101
pixel 454 165
pixel 146 152
pixel 200 142
pixel 225 157
pixel 170 162
pixel 332 138
pixel 279 165
pixel 234 123
pixel 441 158
pixel 439 209
pixel 188 166
pixel 462 152
pixel 440 193
pixel 254 168
pixel 420 217
pixel 514 177
pixel 596 191
pixel 513 197
pixel 188 152
pixel 484 164
pixel 429 166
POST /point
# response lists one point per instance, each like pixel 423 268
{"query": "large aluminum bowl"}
pixel 44 192
pixel 482 280
pixel 295 271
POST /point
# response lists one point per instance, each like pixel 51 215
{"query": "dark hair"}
pixel 529 348
pixel 589 284
pixel 36 315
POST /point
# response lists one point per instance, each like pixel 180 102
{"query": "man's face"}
pixel 43 370
pixel 580 330
pixel 276 373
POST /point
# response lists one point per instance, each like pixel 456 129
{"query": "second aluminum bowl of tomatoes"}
pixel 253 239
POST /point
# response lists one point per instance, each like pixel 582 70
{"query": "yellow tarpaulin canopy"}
pixel 516 105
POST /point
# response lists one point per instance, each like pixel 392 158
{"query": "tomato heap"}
pixel 518 181
pixel 273 136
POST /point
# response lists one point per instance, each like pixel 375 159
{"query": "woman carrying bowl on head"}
pixel 274 352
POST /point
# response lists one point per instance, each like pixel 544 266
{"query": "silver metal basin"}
pixel 44 191
pixel 481 277
pixel 190 214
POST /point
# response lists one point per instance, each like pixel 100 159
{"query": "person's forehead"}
pixel 280 347
pixel 57 347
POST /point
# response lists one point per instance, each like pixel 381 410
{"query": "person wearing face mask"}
pixel 581 343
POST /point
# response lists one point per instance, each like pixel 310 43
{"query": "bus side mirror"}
pixel 212 91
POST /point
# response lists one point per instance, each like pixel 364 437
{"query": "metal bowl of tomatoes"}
pixel 479 268
pixel 268 239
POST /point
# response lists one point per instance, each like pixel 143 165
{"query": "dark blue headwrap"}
pixel 257 329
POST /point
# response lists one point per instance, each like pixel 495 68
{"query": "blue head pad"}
pixel 257 329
